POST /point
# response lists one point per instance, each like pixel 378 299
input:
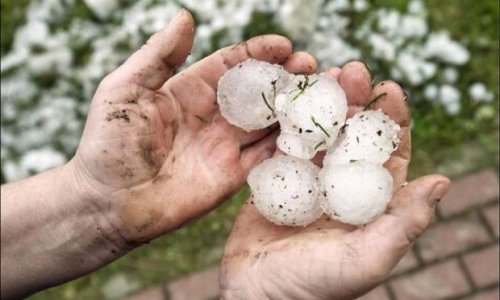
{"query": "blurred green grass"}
pixel 12 16
pixel 451 145
pixel 454 145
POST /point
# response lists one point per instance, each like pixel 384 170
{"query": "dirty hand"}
pixel 156 152
pixel 328 259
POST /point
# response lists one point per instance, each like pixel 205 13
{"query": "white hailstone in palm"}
pixel 285 190
pixel 246 93
pixel 369 135
pixel 355 193
pixel 311 111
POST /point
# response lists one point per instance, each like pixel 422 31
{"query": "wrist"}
pixel 96 206
pixel 53 224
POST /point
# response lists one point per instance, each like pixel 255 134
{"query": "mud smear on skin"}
pixel 147 152
pixel 154 216
pixel 118 114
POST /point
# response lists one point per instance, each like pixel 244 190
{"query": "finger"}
pixel 270 48
pixel 248 138
pixel 207 72
pixel 393 103
pixel 245 138
pixel 154 63
pixel 353 109
pixel 255 154
pixel 398 163
pixel 334 72
pixel 318 158
pixel 301 63
pixel 355 79
pixel 409 214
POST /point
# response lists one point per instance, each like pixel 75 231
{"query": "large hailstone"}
pixel 311 110
pixel 285 190
pixel 369 135
pixel 355 193
pixel 246 93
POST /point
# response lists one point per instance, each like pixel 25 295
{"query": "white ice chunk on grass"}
pixel 311 110
pixel 355 193
pixel 285 190
pixel 369 135
pixel 246 93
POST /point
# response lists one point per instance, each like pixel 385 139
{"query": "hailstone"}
pixel 369 135
pixel 311 110
pixel 285 190
pixel 355 193
pixel 353 186
pixel 246 93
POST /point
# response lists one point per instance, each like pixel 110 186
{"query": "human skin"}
pixel 155 154
pixel 329 259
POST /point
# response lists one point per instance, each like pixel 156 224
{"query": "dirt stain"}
pixel 118 114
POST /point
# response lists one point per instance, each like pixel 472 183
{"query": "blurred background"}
pixel 55 52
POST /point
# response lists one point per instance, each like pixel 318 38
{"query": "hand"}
pixel 328 259
pixel 156 153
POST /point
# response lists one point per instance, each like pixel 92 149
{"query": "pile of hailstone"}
pixel 353 186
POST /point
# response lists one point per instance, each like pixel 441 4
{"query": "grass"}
pixel 450 145
pixel 439 140
pixel 12 17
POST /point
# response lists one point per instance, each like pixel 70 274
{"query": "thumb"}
pixel 156 60
pixel 413 205
pixel 410 213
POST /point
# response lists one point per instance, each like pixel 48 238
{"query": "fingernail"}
pixel 438 192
